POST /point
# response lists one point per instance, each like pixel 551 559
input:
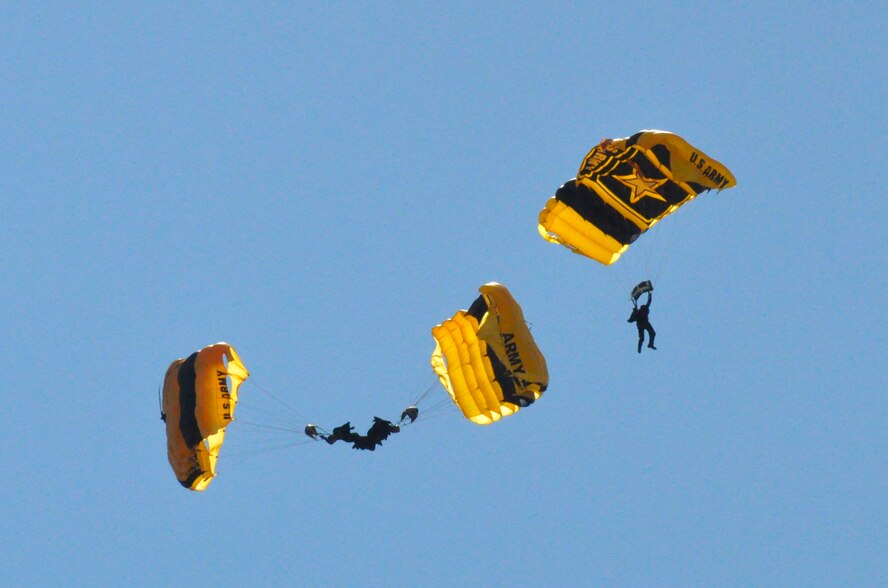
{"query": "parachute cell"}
pixel 486 358
pixel 623 188
pixel 199 398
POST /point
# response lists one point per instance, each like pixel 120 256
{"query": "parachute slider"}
pixel 411 412
pixel 641 288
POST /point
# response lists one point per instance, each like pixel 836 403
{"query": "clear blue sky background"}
pixel 321 183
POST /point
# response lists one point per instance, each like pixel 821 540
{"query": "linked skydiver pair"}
pixel 379 431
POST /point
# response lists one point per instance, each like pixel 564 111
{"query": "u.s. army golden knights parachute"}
pixel 199 397
pixel 624 187
pixel 487 359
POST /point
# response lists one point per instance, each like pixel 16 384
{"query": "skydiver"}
pixel 639 316
pixel 378 432
pixel 341 433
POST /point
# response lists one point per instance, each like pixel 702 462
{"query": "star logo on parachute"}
pixel 641 186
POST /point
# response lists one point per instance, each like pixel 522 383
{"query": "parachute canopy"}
pixel 487 359
pixel 199 397
pixel 623 188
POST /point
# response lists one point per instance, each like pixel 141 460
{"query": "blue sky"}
pixel 321 183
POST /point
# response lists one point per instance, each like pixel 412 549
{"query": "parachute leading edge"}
pixel 199 398
pixel 623 188
pixel 486 358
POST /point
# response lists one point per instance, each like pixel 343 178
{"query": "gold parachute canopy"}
pixel 199 397
pixel 486 358
pixel 623 188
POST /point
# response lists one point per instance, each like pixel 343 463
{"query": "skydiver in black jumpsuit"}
pixel 379 432
pixel 639 316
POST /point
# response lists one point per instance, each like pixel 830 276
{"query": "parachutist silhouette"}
pixel 639 316
pixel 341 433
pixel 378 432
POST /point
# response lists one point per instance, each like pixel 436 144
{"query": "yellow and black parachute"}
pixel 623 188
pixel 487 359
pixel 199 397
